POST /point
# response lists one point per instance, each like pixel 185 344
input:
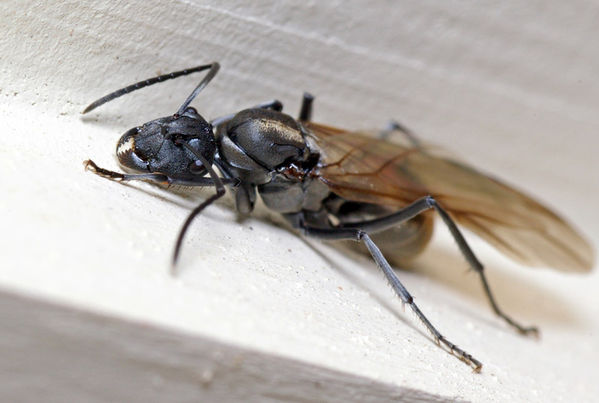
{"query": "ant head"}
pixel 177 145
pixel 169 145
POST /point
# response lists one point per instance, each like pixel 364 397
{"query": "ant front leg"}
pixel 153 177
pixel 213 181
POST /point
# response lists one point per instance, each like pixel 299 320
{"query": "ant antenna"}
pixel 220 191
pixel 209 76
pixel 214 67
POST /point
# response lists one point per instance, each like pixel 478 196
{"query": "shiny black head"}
pixel 162 146
pixel 180 148
pixel 174 145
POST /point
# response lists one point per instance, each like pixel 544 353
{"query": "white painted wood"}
pixel 511 86
pixel 92 358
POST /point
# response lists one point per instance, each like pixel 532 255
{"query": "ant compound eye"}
pixel 197 168
pixel 191 112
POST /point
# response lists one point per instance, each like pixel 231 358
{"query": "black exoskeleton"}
pixel 263 151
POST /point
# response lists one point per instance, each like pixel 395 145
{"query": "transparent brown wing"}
pixel 361 168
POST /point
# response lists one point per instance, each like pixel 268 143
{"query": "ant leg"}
pixel 395 126
pixel 214 180
pixel 153 177
pixel 427 203
pixel 306 109
pixel 356 234
pixel 274 104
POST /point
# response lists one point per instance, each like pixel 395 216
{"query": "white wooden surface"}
pixel 510 86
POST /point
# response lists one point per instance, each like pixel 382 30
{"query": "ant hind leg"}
pixel 394 126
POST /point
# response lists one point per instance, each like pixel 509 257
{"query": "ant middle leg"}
pixel 306 108
pixel 273 104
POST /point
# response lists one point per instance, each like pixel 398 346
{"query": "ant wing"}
pixel 359 167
